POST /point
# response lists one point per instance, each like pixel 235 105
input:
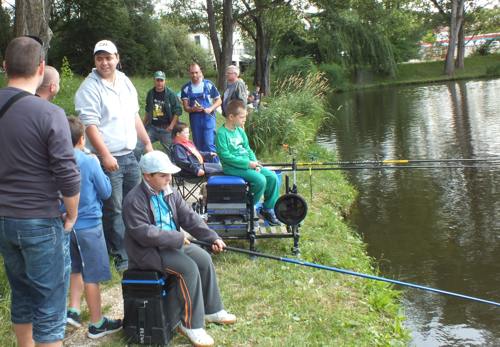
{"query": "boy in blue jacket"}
pixel 89 256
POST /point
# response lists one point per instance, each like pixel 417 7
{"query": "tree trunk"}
pixel 214 39
pixel 449 67
pixel 262 56
pixel 32 18
pixel 223 53
pixel 459 63
pixel 227 43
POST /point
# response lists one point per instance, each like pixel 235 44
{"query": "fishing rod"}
pixel 380 167
pixel 386 162
pixel 349 272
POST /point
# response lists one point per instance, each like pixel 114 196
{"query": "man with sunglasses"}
pixel 38 166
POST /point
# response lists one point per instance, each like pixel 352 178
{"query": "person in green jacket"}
pixel 238 159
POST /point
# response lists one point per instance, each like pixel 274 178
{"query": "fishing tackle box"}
pixel 145 308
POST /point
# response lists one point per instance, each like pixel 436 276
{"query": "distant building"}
pixel 438 49
pixel 239 55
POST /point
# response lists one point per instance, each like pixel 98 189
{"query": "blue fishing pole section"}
pixel 352 273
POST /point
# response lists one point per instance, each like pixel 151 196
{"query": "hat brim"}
pixel 168 169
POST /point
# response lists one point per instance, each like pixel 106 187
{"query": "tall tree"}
pixel 265 22
pixel 223 51
pixel 32 18
pixel 453 11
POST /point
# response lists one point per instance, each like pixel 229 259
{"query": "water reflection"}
pixel 436 227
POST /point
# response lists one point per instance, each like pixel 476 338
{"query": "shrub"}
pixel 291 114
pixel 335 75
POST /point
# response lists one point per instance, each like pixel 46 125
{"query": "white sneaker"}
pixel 198 337
pixel 221 317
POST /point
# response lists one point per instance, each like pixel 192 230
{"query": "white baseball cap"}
pixel 157 161
pixel 106 46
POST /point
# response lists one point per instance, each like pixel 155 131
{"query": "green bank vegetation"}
pixel 279 303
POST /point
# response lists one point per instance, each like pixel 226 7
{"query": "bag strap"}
pixel 12 100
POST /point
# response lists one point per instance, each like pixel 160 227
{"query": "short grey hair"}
pixel 233 68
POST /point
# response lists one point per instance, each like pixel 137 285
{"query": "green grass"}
pixel 487 66
pixel 285 304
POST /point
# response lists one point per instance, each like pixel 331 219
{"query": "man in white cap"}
pixel 107 105
pixel 153 215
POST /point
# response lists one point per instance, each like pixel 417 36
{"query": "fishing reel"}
pixel 291 209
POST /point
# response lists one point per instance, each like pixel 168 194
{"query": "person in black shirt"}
pixel 163 110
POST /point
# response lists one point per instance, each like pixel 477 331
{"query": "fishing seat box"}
pixel 226 191
pixel 146 319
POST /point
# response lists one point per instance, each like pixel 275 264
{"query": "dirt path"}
pixel 113 301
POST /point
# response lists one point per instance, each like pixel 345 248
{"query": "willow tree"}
pixel 354 42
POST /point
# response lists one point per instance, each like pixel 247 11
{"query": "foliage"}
pixel 296 43
pixel 356 43
pixel 296 107
pixel 493 70
pixel 288 66
pixel 178 51
pixel 335 74
pixel 5 30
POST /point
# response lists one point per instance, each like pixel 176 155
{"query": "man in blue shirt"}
pixel 200 98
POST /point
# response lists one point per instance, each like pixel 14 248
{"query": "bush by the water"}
pixel 296 107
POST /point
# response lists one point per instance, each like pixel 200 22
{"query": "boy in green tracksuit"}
pixel 238 159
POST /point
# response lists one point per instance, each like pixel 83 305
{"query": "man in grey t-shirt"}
pixel 37 166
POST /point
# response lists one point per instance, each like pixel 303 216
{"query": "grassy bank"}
pixel 487 66
pixel 284 304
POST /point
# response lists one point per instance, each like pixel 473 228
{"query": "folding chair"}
pixel 189 186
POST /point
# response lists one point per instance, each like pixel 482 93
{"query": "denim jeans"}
pixel 34 259
pixel 155 134
pixel 122 180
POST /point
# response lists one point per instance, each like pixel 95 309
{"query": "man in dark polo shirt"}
pixel 37 166
pixel 163 110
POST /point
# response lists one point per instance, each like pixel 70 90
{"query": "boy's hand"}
pixel 253 164
pixel 186 241
pixel 201 172
pixel 218 246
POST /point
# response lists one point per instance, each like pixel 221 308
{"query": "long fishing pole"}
pixel 353 273
pixel 381 167
pixel 387 162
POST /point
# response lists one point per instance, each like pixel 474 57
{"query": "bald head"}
pixel 50 84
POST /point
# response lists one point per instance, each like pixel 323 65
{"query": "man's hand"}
pixel 201 172
pixel 110 163
pixel 69 222
pixel 208 110
pixel 186 241
pixel 218 246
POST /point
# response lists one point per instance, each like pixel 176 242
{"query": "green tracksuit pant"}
pixel 263 182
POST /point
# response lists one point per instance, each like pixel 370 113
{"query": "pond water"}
pixel 436 227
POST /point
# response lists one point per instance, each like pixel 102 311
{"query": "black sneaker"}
pixel 108 327
pixel 73 319
pixel 270 217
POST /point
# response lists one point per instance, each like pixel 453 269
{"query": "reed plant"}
pixel 296 108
